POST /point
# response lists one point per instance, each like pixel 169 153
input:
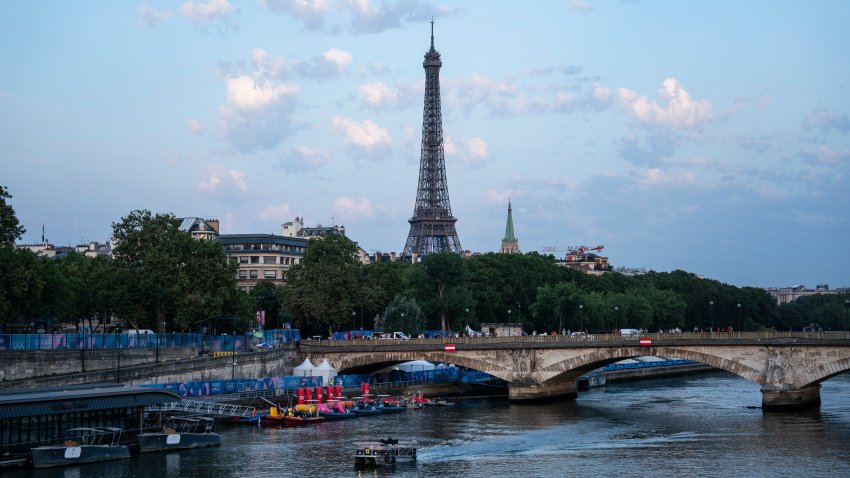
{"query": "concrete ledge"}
pixel 526 392
pixel 790 399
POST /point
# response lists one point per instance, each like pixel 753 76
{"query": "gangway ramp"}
pixel 210 408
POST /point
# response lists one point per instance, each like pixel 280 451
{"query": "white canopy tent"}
pixel 326 371
pixel 306 369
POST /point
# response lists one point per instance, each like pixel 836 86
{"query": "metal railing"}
pixel 762 335
pixel 221 409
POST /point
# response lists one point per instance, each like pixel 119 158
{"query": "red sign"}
pixel 450 347
pixel 644 342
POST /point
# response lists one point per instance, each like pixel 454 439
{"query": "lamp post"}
pixel 711 315
pixel 847 310
pixel 353 319
pixel 738 306
pixel 581 317
pixel 617 317
pixel 402 318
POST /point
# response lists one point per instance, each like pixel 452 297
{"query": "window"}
pixel 243 274
pixel 255 259
pixel 252 273
pixel 243 260
pixel 270 274
pixel 269 260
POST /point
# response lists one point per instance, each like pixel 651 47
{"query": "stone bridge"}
pixel 788 367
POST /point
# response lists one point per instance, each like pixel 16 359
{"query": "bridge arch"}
pixel 580 364
pixel 360 360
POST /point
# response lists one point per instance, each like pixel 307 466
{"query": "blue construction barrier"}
pixel 226 387
pixel 657 363
pixel 213 343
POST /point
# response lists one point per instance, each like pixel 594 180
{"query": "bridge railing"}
pixel 824 335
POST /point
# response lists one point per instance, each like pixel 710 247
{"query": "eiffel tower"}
pixel 432 227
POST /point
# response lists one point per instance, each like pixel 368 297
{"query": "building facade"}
pixel 262 257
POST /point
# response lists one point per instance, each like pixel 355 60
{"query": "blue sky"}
pixel 712 137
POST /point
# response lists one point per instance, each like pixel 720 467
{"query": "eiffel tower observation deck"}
pixel 432 227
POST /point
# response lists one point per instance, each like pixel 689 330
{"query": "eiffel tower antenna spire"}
pixel 432 227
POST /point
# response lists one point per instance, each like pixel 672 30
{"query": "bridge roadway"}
pixel 788 366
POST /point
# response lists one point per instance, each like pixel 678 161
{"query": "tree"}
pixel 20 286
pixel 10 229
pixel 322 289
pixel 556 307
pixel 165 275
pixel 439 284
pixel 403 315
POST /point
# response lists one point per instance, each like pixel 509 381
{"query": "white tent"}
pixel 306 369
pixel 416 366
pixel 326 371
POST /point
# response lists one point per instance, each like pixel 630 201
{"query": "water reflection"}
pixel 705 425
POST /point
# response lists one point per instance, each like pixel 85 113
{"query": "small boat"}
pixel 82 445
pixel 388 405
pixel 334 410
pixel 384 452
pixel 365 406
pixel 291 416
pixel 180 433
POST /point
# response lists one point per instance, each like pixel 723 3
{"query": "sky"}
pixel 707 136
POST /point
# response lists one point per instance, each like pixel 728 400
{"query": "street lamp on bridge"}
pixel 739 317
pixel 581 317
pixel 711 315
pixel 617 317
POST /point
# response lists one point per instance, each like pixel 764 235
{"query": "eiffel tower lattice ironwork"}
pixel 432 227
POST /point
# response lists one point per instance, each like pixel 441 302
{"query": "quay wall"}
pixel 628 375
pixel 104 367
pixel 23 365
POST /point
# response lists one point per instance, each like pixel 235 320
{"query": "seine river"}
pixel 702 425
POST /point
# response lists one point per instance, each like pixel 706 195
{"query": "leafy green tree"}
pixel 20 286
pixel 10 229
pixel 321 291
pixel 556 307
pixel 380 283
pixel 439 285
pixel 267 298
pixel 166 278
pixel 403 315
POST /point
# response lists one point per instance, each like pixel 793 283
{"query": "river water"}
pixel 701 425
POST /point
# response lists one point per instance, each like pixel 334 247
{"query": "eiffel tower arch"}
pixel 432 227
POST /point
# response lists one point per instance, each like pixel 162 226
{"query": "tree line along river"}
pixel 703 425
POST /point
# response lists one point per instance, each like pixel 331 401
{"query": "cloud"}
pixel 310 12
pixel 305 158
pixel 217 177
pixel 369 17
pixel 503 98
pixel 825 121
pixel 212 12
pixel 676 108
pixel 825 155
pixel 656 177
pixel 365 137
pixel 351 208
pixel 379 96
pixel 196 126
pixel 153 17
pixel 758 144
pixel 472 151
pixel 579 5
pixel 651 151
pixel 331 64
pixel 277 211
pixel 207 12
pixel 258 111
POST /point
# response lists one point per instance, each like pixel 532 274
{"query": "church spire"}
pixel 510 245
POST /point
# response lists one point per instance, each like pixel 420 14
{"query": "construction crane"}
pixel 573 250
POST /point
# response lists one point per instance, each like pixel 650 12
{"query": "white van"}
pixel 394 335
pixel 139 331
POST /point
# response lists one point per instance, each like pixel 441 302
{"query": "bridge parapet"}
pixel 788 366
